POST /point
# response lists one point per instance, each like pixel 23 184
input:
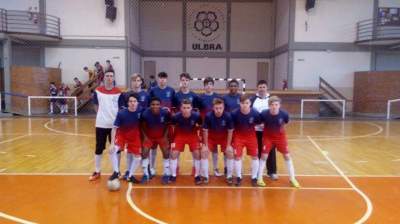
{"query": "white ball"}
pixel 113 185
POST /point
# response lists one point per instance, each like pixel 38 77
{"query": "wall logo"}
pixel 206 25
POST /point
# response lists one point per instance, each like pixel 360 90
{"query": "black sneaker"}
pixel 225 171
pixel 114 176
pixel 133 180
pixel 197 180
pixel 145 179
pixel 205 180
pixel 239 181
pixel 172 179
pixel 254 182
pixel 126 175
pixel 165 179
pixel 229 181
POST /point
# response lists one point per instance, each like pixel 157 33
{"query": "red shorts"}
pixel 154 142
pixel 133 145
pixel 250 142
pixel 279 141
pixel 192 141
pixel 213 144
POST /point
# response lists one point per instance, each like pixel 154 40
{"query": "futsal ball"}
pixel 113 185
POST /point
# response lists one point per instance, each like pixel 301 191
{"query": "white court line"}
pixel 15 219
pixel 246 188
pixel 368 213
pixel 46 125
pixel 13 139
pixel 137 209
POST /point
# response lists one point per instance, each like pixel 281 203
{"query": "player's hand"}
pixel 112 148
pixel 172 145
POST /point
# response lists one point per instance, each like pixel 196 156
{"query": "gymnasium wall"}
pixel 280 70
pixel 248 68
pixel 337 68
pixel 388 61
pixel 331 20
pixel 86 19
pixel 74 59
pixel 26 55
pixel 172 66
pixel 19 4
pixel 282 23
pixel 135 63
pixel 134 22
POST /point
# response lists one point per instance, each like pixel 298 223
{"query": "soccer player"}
pixel 155 121
pixel 185 93
pixel 107 100
pixel 186 124
pixel 166 95
pixel 53 92
pixel 244 121
pixel 63 91
pixel 136 82
pixel 232 99
pixel 274 120
pixel 126 133
pixel 217 130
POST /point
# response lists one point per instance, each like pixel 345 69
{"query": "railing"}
pixel 330 93
pixel 16 21
pixel 389 104
pixel 317 100
pixel 373 29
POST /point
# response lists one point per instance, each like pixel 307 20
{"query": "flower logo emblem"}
pixel 206 23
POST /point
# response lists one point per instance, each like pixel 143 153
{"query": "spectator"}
pixel 109 67
pixel 91 74
pixel 99 73
pixel 152 82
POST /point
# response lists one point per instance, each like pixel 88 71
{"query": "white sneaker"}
pixel 273 176
pixel 217 173
pixel 152 171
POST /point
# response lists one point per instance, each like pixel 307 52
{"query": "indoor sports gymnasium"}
pixel 199 111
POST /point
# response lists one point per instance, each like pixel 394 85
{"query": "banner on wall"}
pixel 206 27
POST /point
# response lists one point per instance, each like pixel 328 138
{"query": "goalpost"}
pixel 243 81
pixel 53 97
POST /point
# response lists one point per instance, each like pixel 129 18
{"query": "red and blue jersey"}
pixel 207 102
pixel 244 123
pixel 186 126
pixel 165 95
pixel 143 98
pixel 274 124
pixel 193 97
pixel 218 126
pixel 232 102
pixel 155 125
pixel 128 123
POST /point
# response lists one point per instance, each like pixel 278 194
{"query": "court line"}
pixel 15 219
pixel 244 188
pixel 46 125
pixel 368 202
pixel 13 139
pixel 137 209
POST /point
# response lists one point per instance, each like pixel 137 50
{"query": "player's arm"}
pixel 230 132
pixel 117 123
pixel 95 102
pixel 142 129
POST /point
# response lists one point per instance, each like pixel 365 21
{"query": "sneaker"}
pixel 238 181
pixel 229 181
pixel 114 176
pixel 273 176
pixel 172 179
pixel 152 172
pixel 165 179
pixel 126 175
pixel 205 180
pixel 217 173
pixel 254 182
pixel 261 183
pixel 145 179
pixel 197 180
pixel 133 180
pixel 225 171
pixel 94 176
pixel 294 183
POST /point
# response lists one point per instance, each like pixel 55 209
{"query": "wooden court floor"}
pixel 349 172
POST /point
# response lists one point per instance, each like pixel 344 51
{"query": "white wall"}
pixel 161 25
pixel 337 68
pixel 134 22
pixel 280 70
pixel 331 20
pixel 282 23
pixel 252 27
pixel 74 59
pixel 389 3
pixel 172 66
pixel 86 19
pixel 203 67
pixel 19 4
pixel 136 63
pixel 247 69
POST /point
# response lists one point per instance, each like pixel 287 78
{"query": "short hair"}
pixel 97 63
pixel 186 101
pixel 162 75
pixel 112 72
pixel 262 82
pixel 76 78
pixel 244 97
pixel 208 80
pixel 218 101
pixel 135 95
pixel 155 99
pixel 185 75
pixel 233 81
pixel 52 83
pixel 85 68
pixel 274 99
pixel 134 76
pixel 108 61
pixel 152 77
